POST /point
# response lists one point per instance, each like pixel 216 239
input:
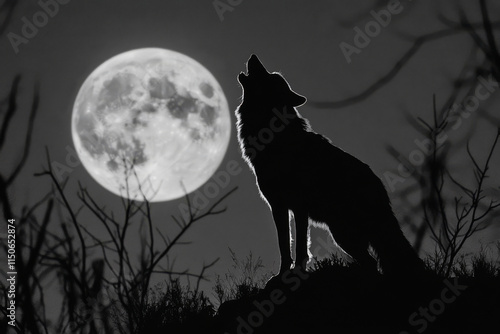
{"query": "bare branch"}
pixel 403 60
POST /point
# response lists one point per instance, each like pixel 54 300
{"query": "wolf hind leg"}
pixel 358 251
pixel 396 254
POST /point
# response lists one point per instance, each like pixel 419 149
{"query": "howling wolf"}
pixel 300 173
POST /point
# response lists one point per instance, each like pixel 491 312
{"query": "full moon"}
pixel 151 122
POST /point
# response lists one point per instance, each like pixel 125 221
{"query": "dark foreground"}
pixel 343 301
pixel 338 299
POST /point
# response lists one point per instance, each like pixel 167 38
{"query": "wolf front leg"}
pixel 282 222
pixel 301 238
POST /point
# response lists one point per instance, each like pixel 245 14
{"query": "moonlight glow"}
pixel 157 110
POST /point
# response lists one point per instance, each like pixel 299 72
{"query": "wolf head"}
pixel 266 88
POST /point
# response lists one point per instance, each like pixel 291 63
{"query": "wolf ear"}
pixel 254 66
pixel 296 99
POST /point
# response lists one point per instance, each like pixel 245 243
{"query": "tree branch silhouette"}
pixel 400 64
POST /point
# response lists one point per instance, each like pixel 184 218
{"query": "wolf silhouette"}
pixel 300 173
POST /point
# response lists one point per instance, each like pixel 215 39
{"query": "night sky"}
pixel 298 38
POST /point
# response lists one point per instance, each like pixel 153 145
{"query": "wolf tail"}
pixel 396 255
